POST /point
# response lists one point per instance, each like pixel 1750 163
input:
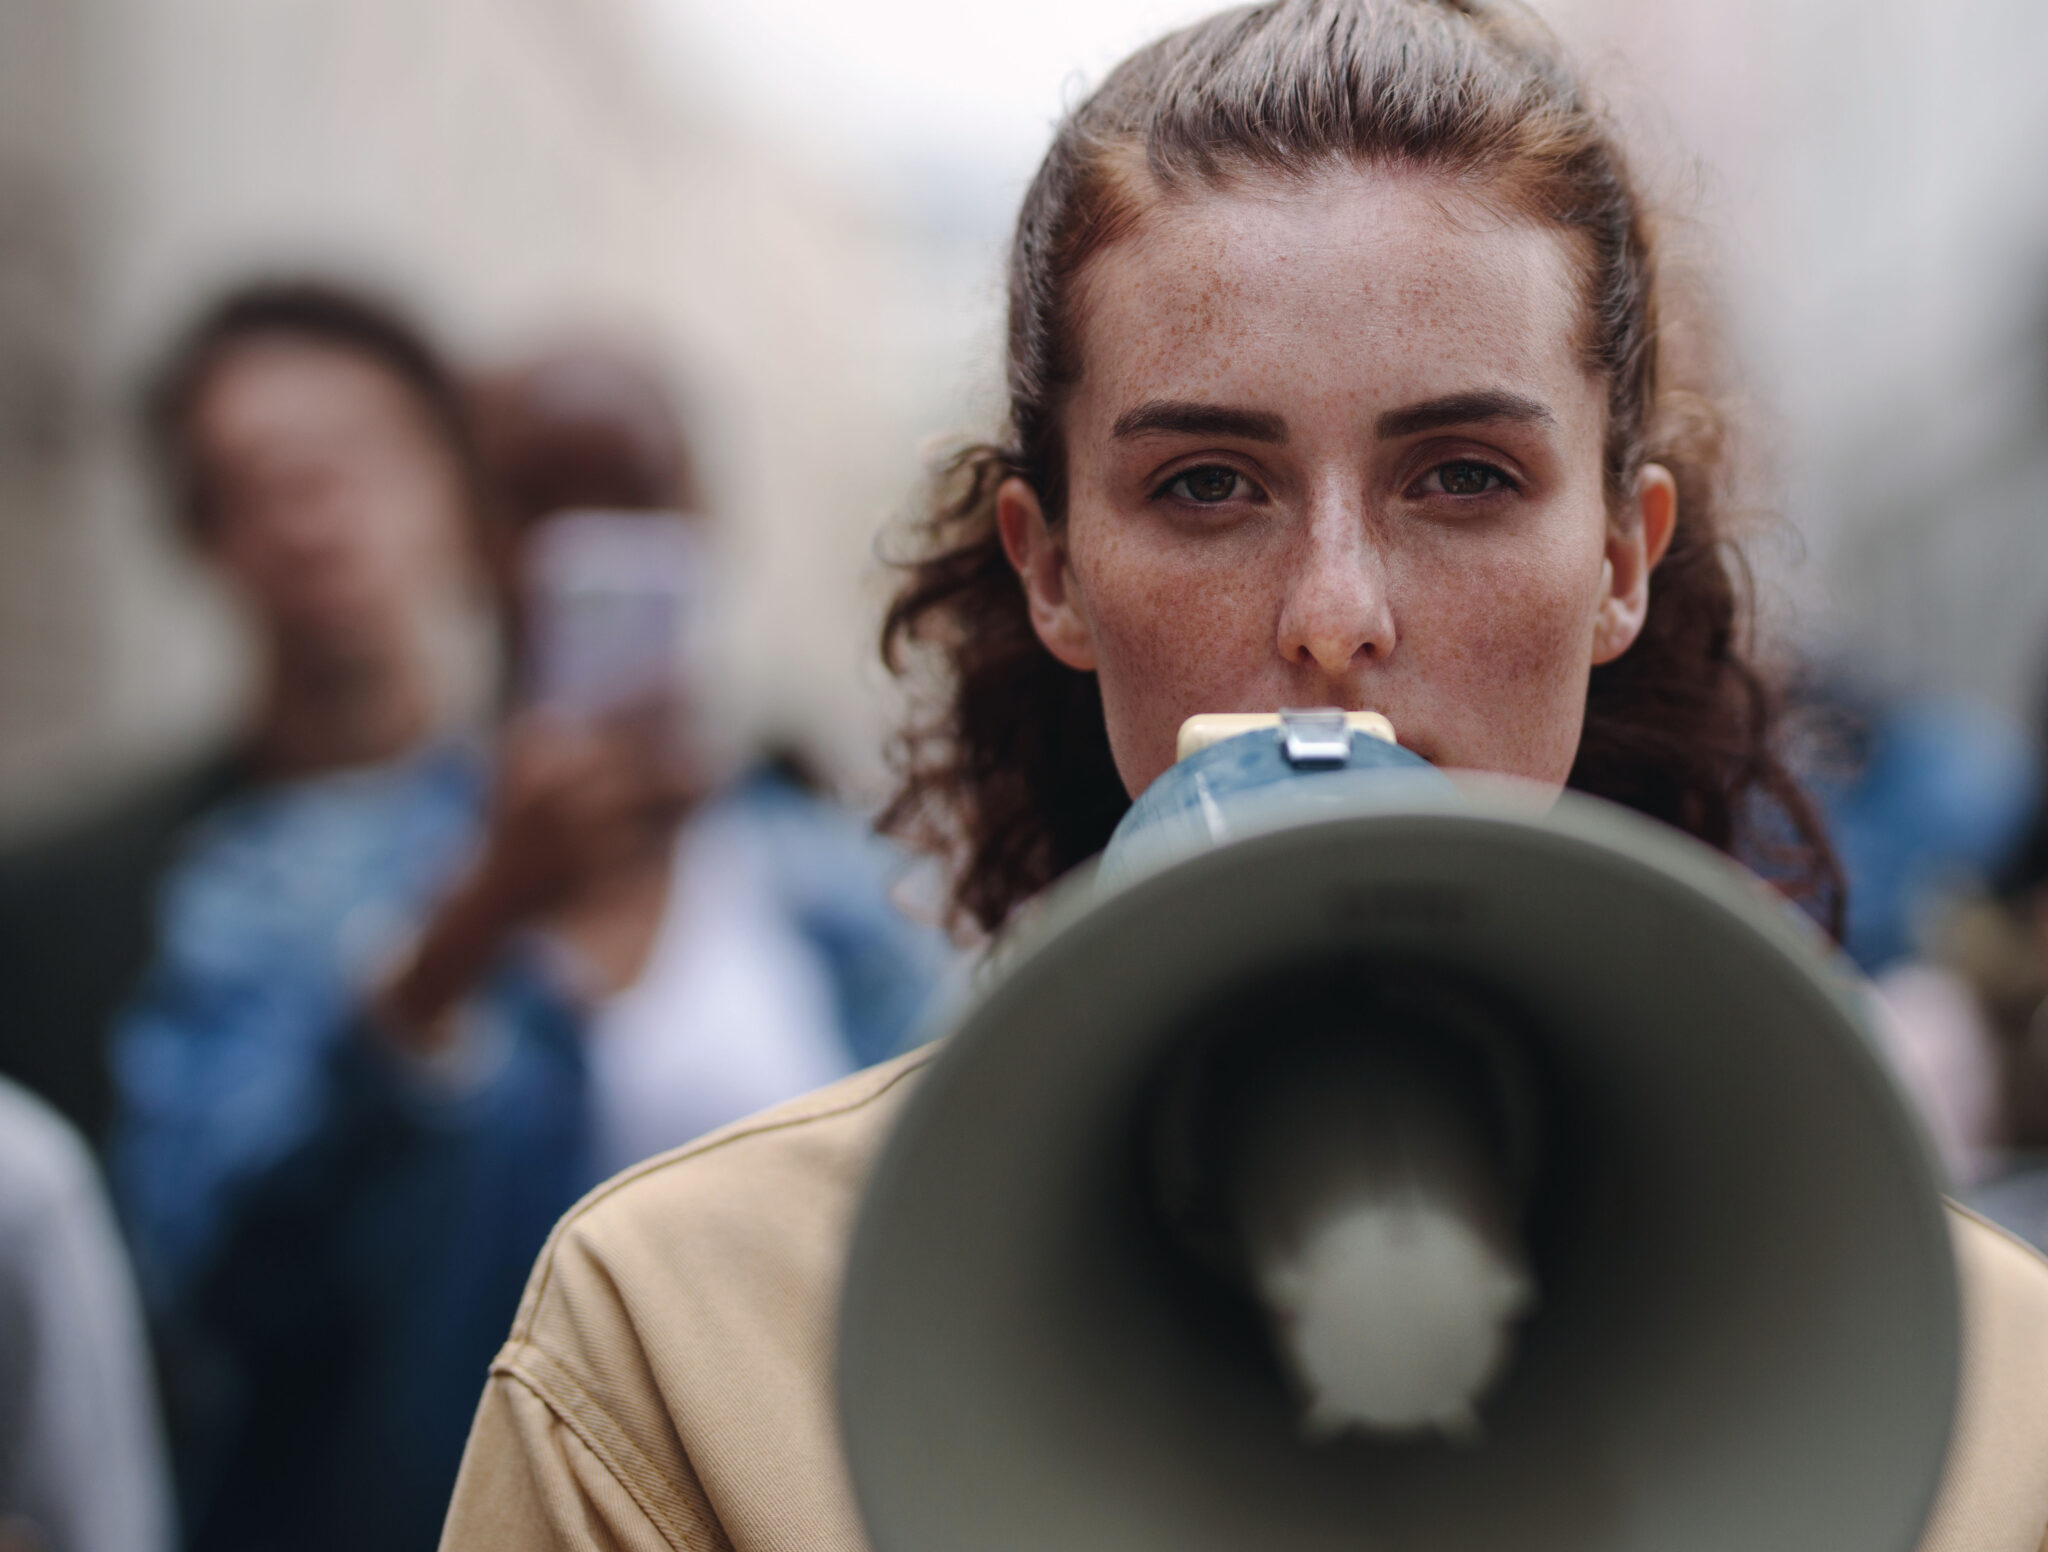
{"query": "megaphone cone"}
pixel 1088 1304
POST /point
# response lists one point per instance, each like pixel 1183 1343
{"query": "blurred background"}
pixel 777 229
pixel 801 206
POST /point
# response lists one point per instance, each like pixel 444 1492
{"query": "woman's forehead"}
pixel 1369 284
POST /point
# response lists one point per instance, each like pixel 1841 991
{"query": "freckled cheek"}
pixel 1172 637
pixel 1512 652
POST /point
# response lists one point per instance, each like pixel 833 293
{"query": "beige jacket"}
pixel 667 1382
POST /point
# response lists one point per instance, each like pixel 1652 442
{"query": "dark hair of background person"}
pixel 2012 986
pixel 313 311
pixel 1008 771
pixel 2025 873
pixel 579 427
pixel 585 426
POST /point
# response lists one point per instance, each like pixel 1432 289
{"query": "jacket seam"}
pixel 563 1413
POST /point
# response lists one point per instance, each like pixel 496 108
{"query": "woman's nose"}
pixel 1336 613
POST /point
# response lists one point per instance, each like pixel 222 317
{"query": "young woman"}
pixel 1337 377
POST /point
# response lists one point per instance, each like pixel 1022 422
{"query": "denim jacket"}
pixel 331 1237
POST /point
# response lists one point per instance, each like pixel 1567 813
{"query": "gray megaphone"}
pixel 1359 1163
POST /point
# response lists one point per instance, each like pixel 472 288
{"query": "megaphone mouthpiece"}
pixel 1395 1320
pixel 1376 1227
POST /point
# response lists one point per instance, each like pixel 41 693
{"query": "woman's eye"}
pixel 1466 477
pixel 1207 486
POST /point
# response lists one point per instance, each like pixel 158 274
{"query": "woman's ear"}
pixel 1633 551
pixel 1040 557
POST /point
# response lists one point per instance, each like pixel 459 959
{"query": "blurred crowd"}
pixel 1936 809
pixel 353 1009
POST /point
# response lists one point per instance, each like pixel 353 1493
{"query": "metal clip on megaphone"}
pixel 1358 1162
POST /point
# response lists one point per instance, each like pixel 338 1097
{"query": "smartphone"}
pixel 614 608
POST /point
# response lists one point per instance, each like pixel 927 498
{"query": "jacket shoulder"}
pixel 1994 1494
pixel 754 1214
pixel 826 1137
pixel 680 1320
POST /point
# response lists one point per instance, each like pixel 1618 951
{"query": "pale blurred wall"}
pixel 509 166
pixel 47 662
pixel 1867 174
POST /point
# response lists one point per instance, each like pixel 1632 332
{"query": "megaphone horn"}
pixel 1357 1162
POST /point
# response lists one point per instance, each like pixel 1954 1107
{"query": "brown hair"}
pixel 584 426
pixel 318 312
pixel 1011 771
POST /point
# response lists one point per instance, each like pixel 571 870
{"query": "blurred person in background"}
pixel 1971 1010
pixel 739 946
pixel 81 1458
pixel 1927 799
pixel 1925 796
pixel 1936 805
pixel 330 1221
pixel 408 999
pixel 275 424
pixel 1939 807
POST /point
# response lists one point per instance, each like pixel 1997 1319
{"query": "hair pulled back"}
pixel 1009 770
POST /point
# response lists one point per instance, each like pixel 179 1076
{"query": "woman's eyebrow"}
pixel 1463 409
pixel 1189 418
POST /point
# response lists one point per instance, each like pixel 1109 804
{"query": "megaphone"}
pixel 1357 1162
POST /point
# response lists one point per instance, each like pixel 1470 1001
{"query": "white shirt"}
pixel 733 1012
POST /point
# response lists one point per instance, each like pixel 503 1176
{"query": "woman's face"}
pixel 1333 445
